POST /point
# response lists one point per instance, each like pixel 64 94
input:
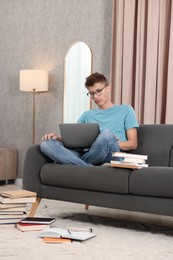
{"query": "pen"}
pixel 69 231
pixel 80 229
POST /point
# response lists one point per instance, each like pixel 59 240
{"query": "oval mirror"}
pixel 77 67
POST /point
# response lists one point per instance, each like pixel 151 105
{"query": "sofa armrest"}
pixel 34 160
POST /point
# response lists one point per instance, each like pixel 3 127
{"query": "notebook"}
pixel 79 135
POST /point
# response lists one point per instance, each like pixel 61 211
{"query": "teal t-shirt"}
pixel 118 119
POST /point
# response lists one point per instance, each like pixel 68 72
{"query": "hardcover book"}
pixel 18 194
pixel 12 210
pixel 11 205
pixel 130 155
pixel 121 164
pixel 12 216
pixel 31 227
pixel 38 220
pixel 17 200
pixel 55 240
pixel 9 221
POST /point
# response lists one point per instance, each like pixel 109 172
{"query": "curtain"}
pixel 142 58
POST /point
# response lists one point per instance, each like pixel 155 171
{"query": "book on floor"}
pixel 66 233
pixel 9 221
pixel 38 220
pixel 9 206
pixel 4 199
pixel 55 240
pixel 31 227
pixel 18 194
pixel 10 216
pixel 10 212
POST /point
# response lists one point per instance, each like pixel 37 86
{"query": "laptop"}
pixel 79 135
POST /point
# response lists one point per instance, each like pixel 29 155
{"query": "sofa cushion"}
pixel 152 181
pixel 157 142
pixel 96 178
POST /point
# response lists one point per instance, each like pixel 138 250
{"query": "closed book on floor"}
pixel 5 212
pixel 38 220
pixel 54 240
pixel 11 205
pixel 18 194
pixel 31 227
pixel 17 200
pixel 8 216
pixel 9 221
pixel 12 210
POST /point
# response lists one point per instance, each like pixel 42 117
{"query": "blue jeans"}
pixel 99 153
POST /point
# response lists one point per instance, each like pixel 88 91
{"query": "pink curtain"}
pixel 142 58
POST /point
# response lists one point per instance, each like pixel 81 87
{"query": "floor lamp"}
pixel 33 81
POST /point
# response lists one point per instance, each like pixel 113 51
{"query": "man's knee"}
pixel 43 146
pixel 107 134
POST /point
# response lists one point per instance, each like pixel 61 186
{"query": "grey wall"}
pixel 36 34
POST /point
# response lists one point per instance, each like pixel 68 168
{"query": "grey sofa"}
pixel 147 190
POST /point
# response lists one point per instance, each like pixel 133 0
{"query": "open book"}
pixel 66 233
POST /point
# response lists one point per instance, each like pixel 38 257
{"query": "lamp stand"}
pixel 33 116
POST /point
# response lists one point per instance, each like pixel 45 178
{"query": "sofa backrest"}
pixel 157 142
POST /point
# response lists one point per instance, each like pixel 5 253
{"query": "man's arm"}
pixel 131 142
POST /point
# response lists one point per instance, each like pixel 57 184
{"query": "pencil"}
pixel 80 229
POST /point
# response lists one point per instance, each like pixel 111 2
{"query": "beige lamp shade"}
pixel 34 80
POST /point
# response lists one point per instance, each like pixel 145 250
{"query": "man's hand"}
pixel 51 136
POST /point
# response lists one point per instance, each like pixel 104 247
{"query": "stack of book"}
pixel 13 205
pixel 128 160
pixel 34 223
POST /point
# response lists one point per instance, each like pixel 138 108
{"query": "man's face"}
pixel 99 93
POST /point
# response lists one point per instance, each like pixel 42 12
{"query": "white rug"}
pixel 115 239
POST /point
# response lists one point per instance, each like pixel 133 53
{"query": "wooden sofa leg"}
pixel 34 207
pixel 86 206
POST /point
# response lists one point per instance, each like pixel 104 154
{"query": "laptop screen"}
pixel 79 135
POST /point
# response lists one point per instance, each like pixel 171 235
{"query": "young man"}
pixel 118 129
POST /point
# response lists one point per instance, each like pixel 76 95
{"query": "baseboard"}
pixel 18 182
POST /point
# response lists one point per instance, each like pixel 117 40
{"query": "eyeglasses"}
pixel 98 92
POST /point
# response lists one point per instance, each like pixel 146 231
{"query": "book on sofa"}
pixel 126 156
pixel 128 160
pixel 130 165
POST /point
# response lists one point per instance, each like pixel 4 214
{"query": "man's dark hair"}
pixel 95 78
